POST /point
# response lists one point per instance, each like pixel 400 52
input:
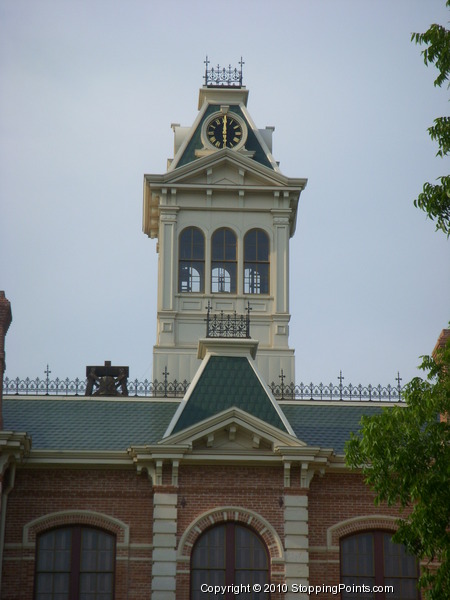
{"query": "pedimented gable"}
pixel 223 172
pixel 233 431
pixel 225 166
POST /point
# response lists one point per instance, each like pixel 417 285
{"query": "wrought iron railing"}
pixel 77 387
pixel 227 325
pixel 177 389
pixel 312 391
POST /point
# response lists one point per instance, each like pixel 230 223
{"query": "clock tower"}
pixel 223 215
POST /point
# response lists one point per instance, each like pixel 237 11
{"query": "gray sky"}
pixel 89 90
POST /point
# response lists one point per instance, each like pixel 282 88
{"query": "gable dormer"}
pixel 227 379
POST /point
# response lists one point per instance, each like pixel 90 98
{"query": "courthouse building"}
pixel 237 479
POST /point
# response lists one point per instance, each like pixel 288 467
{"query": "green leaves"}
pixel 435 199
pixel 438 51
pixel 404 456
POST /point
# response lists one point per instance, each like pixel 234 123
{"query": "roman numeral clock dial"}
pixel 224 131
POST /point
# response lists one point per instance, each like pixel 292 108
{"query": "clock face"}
pixel 224 131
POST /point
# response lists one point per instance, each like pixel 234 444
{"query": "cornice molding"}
pixel 14 447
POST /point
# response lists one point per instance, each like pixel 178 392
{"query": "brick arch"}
pixel 76 517
pixel 356 524
pixel 238 515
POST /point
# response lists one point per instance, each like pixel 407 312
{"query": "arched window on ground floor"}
pixel 371 558
pixel 75 563
pixel 229 555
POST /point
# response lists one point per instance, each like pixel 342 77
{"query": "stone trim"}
pixel 76 517
pixel 238 515
pixel 355 524
pixel 296 540
pixel 164 546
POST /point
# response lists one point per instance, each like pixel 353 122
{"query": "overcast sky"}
pixel 89 89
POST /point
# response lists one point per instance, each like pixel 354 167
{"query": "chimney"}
pixel 5 322
pixel 441 342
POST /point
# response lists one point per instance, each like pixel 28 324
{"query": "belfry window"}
pixel 75 563
pixel 223 261
pixel 256 262
pixel 228 555
pixel 191 272
pixel 373 559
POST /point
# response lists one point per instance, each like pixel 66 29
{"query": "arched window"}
pixel 229 554
pixel 223 261
pixel 191 272
pixel 75 563
pixel 256 262
pixel 372 558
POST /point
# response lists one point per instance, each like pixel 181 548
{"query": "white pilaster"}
pixel 164 547
pixel 296 543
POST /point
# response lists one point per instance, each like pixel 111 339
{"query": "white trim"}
pixel 184 401
pixel 272 400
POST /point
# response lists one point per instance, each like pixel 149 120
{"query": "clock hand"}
pixel 224 130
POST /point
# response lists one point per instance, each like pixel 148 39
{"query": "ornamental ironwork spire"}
pixel 223 76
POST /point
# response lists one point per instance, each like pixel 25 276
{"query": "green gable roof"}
pixel 226 382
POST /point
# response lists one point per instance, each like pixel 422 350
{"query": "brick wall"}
pixel 120 499
pixel 339 499
pixel 206 488
pixel 121 496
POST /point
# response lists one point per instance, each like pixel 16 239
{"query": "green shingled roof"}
pixel 110 424
pixel 226 382
pixel 327 426
pixel 82 424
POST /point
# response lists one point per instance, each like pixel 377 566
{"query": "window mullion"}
pixel 75 559
pixel 230 558
pixel 378 558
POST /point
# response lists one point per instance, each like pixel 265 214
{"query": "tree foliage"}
pixel 404 455
pixel 435 198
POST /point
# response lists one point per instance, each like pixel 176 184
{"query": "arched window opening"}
pixel 226 555
pixel 75 563
pixel 256 262
pixel 373 559
pixel 223 262
pixel 191 261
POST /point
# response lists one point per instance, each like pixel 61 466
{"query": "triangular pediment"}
pixel 232 431
pixel 228 168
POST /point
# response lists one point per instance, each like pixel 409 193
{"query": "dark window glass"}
pixel 256 262
pixel 191 261
pixel 372 558
pixel 223 263
pixel 75 563
pixel 229 554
